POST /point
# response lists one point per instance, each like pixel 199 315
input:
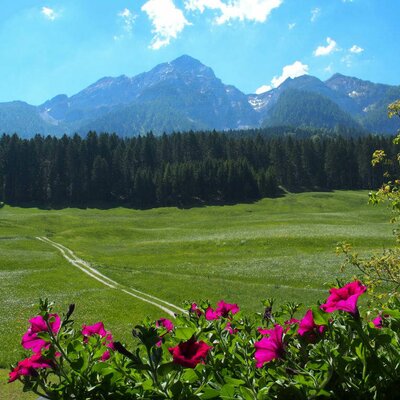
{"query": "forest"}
pixel 183 169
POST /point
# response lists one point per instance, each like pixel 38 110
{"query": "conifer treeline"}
pixel 180 169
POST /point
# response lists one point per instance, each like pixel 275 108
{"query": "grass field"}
pixel 282 248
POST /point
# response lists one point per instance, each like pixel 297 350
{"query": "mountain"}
pixel 364 101
pixel 182 94
pixel 24 119
pixel 370 99
pixel 302 108
pixel 185 94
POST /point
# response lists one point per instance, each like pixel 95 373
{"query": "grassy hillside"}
pixel 281 248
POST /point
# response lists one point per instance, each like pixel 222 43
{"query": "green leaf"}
pixel 360 351
pixel 189 376
pixel 392 313
pixel 233 381
pixel 246 393
pixel 320 317
pixel 184 333
pixel 210 393
pixel 228 391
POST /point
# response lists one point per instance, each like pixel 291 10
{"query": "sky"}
pixel 62 46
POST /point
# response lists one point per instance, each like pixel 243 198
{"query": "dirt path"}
pixel 85 267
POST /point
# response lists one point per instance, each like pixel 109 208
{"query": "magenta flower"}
pixel 195 309
pixel 378 322
pixel 211 314
pixel 30 339
pixel 95 329
pixel 223 310
pixel 308 327
pixel 344 298
pixel 232 331
pixel 265 331
pixel 289 323
pixel 98 329
pixel 28 366
pixel 165 323
pixel 269 348
pixel 105 356
pixel 190 353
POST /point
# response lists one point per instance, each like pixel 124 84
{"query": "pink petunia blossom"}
pixel 98 329
pixel 195 309
pixel 232 331
pixel 308 327
pixel 378 322
pixel 190 353
pixel 269 348
pixel 289 323
pixel 30 339
pixel 105 356
pixel 28 366
pixel 265 331
pixel 165 323
pixel 223 310
pixel 211 314
pixel 95 329
pixel 344 298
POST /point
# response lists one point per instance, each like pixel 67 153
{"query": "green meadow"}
pixel 282 248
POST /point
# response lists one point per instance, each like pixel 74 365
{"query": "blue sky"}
pixel 61 46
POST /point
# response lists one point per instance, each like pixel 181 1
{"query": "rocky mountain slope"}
pixel 186 95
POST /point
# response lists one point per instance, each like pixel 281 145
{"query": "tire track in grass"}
pixel 85 267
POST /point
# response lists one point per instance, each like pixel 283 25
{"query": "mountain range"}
pixel 186 95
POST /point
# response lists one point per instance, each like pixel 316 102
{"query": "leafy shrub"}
pixel 331 352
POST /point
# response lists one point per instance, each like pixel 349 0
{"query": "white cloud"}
pixel 315 13
pixel 263 89
pixel 347 60
pixel 288 71
pixel 168 21
pixel 328 68
pixel 49 13
pixel 326 50
pixel 291 26
pixel 252 10
pixel 356 49
pixel 128 19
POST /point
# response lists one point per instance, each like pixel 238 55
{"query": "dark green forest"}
pixel 182 169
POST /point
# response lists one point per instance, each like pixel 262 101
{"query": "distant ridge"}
pixel 185 94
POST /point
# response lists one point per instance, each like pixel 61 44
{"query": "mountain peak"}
pixel 186 61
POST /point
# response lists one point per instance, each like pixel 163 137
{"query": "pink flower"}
pixel 190 353
pixel 211 314
pixel 98 329
pixel 288 324
pixel 308 327
pixel 344 298
pixel 30 339
pixel 28 366
pixel 378 322
pixel 195 309
pixel 269 348
pixel 223 310
pixel 265 331
pixel 232 331
pixel 95 329
pixel 105 356
pixel 165 323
